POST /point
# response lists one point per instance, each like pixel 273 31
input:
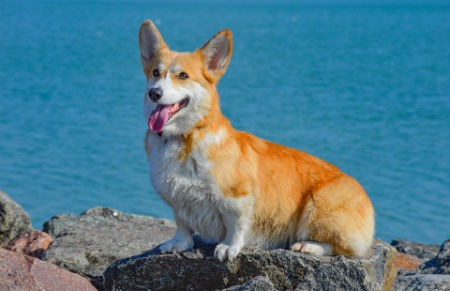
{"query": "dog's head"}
pixel 181 87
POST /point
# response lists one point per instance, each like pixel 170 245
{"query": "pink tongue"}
pixel 159 117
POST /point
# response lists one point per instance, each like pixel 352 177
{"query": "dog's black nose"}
pixel 155 94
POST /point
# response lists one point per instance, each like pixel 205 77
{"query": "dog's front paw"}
pixel 224 251
pixel 175 246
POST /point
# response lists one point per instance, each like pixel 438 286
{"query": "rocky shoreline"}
pixel 105 249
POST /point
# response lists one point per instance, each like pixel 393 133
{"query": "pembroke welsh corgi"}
pixel 229 186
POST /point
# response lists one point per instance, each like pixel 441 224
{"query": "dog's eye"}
pixel 155 73
pixel 182 76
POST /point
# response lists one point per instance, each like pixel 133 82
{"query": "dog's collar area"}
pixel 160 134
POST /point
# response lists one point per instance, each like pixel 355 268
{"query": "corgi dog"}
pixel 229 186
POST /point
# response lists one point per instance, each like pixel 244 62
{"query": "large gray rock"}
pixel 420 282
pixel 260 283
pixel 88 243
pixel 422 251
pixel 286 270
pixel 432 275
pixel 13 219
pixel 439 264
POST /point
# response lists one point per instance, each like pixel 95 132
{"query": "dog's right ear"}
pixel 150 42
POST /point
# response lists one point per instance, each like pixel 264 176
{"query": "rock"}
pixel 286 270
pixel 432 275
pixel 422 251
pixel 31 242
pixel 21 272
pixel 88 243
pixel 439 264
pixel 420 282
pixel 13 219
pixel 260 283
pixel 408 262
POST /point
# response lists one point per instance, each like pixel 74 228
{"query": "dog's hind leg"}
pixel 337 220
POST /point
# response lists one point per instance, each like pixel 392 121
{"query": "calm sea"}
pixel 364 85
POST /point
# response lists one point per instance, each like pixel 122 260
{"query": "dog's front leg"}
pixel 237 225
pixel 181 241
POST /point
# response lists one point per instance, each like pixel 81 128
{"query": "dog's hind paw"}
pixel 313 248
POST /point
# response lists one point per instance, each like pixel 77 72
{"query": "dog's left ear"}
pixel 216 54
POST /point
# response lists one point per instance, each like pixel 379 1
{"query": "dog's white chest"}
pixel 187 186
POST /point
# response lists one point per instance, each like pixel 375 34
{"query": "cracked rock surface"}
pixel 88 243
pixel 253 269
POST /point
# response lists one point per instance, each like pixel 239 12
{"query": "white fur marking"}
pixel 211 138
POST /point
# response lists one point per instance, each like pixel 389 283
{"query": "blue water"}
pixel 364 86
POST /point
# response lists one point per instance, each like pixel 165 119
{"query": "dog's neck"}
pixel 210 123
pixel 212 120
pixel 198 139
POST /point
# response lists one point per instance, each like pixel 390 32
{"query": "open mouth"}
pixel 163 113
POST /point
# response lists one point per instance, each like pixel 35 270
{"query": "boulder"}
pixel 31 242
pixel 22 272
pixel 13 219
pixel 419 282
pixel 408 262
pixel 88 243
pixel 431 275
pixel 439 264
pixel 422 251
pixel 284 269
pixel 260 283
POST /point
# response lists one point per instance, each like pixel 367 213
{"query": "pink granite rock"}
pixel 31 242
pixel 22 272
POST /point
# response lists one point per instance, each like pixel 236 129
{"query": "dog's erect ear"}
pixel 150 42
pixel 216 54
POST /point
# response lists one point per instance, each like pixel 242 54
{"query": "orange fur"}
pixel 285 181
